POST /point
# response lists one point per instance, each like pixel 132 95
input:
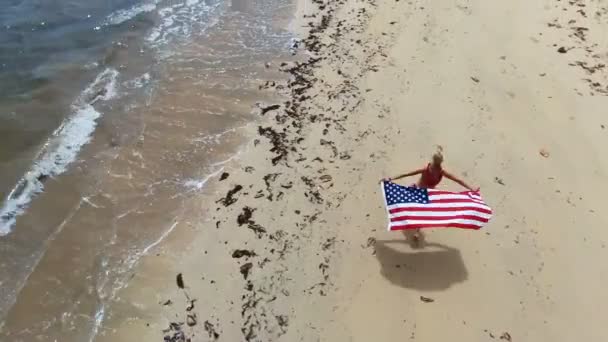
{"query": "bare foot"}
pixel 413 237
pixel 416 237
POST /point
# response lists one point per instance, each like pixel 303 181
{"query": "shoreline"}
pixel 136 191
pixel 288 241
pixel 264 256
pixel 300 250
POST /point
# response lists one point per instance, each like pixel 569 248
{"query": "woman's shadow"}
pixel 415 264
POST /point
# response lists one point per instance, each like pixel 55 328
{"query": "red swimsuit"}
pixel 429 178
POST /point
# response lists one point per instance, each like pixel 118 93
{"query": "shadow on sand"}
pixel 420 265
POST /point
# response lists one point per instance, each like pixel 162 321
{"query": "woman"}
pixel 432 174
pixel 430 177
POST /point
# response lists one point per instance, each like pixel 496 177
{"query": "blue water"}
pixel 36 34
pixel 41 39
pixel 57 56
pixel 48 51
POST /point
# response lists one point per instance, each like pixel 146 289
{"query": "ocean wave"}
pixel 61 148
pixel 198 184
pixel 180 20
pixel 138 82
pixel 121 16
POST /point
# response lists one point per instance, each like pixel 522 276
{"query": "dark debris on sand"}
pixel 577 30
pixel 245 216
pixel 245 269
pixel 240 253
pixel 175 333
pixel 264 110
pixel 211 330
pixel 180 281
pixel 230 199
pixel 277 140
pixel 285 132
pixel 426 299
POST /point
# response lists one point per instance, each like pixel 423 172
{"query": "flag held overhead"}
pixel 413 208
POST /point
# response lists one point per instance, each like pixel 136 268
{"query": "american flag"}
pixel 412 207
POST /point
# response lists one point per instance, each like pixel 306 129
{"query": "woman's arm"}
pixel 415 172
pixel 458 180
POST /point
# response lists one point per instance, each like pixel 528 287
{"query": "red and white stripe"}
pixel 445 209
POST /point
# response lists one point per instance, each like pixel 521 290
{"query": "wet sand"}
pixel 287 241
pixel 295 248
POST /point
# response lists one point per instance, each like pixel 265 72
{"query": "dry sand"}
pixel 484 79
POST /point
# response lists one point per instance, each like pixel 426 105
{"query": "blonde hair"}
pixel 438 155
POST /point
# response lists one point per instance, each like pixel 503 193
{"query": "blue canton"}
pixel 396 194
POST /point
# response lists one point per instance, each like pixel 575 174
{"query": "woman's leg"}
pixel 413 237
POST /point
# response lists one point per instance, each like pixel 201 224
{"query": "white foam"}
pixel 181 19
pixel 153 36
pixel 121 281
pixel 138 82
pixel 195 184
pixel 198 184
pixel 159 240
pixel 98 320
pixel 226 161
pixel 167 21
pixel 215 138
pixel 61 148
pixel 121 16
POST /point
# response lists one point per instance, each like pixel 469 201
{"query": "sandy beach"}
pixel 288 241
pixel 293 245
